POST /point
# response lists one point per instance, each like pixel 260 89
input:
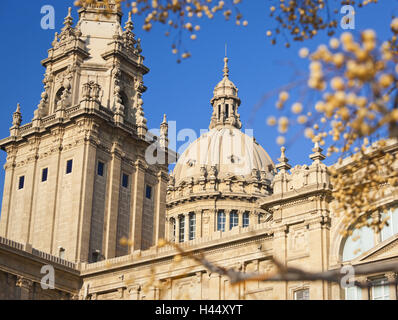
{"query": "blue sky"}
pixel 182 91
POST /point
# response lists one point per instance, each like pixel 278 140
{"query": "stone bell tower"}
pixel 76 179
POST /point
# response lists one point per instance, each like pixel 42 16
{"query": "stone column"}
pixel 30 192
pixel 198 217
pixel 214 286
pixel 240 218
pixel 364 290
pixel 112 204
pixel 9 168
pixel 280 242
pixel 227 219
pixel 134 292
pixel 90 159
pixel 26 286
pixel 392 277
pixel 177 236
pixel 186 236
pixel 138 204
pixel 160 213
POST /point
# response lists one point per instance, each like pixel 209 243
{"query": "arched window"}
pixel 226 111
pixel 359 242
pixel 260 218
pixel 58 97
pixel 221 221
pixel 245 220
pixel 363 239
pixel 219 112
pixel 181 231
pixel 126 104
pixel 233 219
pixel 192 226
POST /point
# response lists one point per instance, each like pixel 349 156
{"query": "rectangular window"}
pixel 380 290
pixel 221 221
pixel 69 165
pixel 192 226
pixel 21 182
pixel 245 220
pixel 100 169
pixel 44 174
pixel 181 232
pixel 303 294
pixel 353 293
pixel 173 229
pixel 233 220
pixel 125 181
pixel 148 192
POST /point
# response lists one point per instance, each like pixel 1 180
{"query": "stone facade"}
pixel 77 182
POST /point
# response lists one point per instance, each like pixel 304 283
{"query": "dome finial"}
pixel 226 69
pixel 283 164
pixel 68 21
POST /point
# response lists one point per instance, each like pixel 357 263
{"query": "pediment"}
pixel 384 250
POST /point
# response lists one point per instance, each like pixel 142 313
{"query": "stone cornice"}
pixel 213 195
pixel 288 197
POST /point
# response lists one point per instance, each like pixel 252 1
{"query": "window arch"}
pixel 126 104
pixel 364 239
pixel 58 96
pixel 360 241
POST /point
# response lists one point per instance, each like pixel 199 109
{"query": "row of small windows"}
pixel 233 220
pixel 100 172
pixel 379 290
pixel 125 179
pixel 181 227
pixel 44 174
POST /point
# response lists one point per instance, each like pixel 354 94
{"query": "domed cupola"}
pixel 225 102
pixel 218 179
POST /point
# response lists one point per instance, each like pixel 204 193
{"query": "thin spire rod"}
pixel 226 69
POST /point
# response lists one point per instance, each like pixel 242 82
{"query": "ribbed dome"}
pixel 232 152
pixel 225 88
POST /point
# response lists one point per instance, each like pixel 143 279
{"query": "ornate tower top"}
pixel 105 12
pixel 225 102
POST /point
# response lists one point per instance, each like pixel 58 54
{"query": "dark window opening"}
pixel 125 181
pixel 44 175
pixel 58 97
pixel 148 192
pixel 245 220
pixel 69 165
pixel 96 256
pixel 227 111
pixel 100 168
pixel 21 182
